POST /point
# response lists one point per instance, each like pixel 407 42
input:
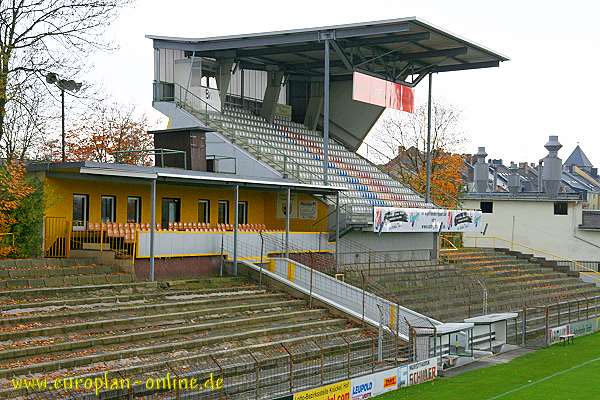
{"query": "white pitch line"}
pixel 564 371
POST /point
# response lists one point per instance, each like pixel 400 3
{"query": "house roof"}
pixel 578 158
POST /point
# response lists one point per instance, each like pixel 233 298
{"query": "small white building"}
pixel 552 224
pixel 549 223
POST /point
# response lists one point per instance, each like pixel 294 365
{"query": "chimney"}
pixel 551 173
pixel 481 172
pixel 540 184
pixel 514 179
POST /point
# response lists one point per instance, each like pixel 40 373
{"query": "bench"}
pixel 568 338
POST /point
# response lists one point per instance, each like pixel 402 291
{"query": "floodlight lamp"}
pixel 51 77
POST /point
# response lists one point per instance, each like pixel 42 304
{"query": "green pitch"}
pixel 559 372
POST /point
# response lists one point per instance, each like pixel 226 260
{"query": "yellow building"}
pixel 94 206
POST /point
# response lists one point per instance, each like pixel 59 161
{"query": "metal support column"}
pixel 62 121
pixel 326 115
pixel 428 160
pixel 288 211
pixel 152 225
pixel 337 232
pixel 236 201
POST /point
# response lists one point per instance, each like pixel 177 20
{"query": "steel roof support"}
pixel 236 201
pixel 152 226
pixel 326 115
pixel 428 162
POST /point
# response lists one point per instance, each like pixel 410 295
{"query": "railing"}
pixel 57 235
pixel 121 239
pixel 538 326
pixel 516 246
pixel 365 306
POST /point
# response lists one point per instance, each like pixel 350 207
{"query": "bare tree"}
pixel 406 137
pixel 41 36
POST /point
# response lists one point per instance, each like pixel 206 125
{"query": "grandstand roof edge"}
pixel 312 34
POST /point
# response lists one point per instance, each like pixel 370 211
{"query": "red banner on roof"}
pixel 380 92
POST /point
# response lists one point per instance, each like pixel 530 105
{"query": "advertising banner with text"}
pixel 393 219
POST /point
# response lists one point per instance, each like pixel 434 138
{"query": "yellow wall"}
pixel 261 205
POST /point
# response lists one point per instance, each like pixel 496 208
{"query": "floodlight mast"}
pixel 68 85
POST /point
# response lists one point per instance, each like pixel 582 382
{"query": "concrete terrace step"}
pixel 57 281
pixel 107 353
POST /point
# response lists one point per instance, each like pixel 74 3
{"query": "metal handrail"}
pixel 534 250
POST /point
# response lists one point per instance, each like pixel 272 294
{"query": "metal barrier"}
pixel 362 305
pixel 57 236
pixel 118 238
pixel 535 325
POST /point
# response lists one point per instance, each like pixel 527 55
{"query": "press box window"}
pixel 223 212
pixel 204 211
pixel 108 205
pixel 561 208
pixel 134 209
pixel 487 207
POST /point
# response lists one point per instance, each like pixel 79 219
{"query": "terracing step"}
pixel 144 328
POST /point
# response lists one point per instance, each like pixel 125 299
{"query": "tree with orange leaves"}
pixel 405 137
pixel 108 133
pixel 19 196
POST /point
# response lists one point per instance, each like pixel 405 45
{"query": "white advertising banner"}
pixel 419 372
pixel 394 219
pixel 366 387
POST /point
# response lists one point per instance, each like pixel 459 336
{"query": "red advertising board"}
pixel 380 92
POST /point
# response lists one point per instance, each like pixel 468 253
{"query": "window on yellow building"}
pixel 80 211
pixel 134 209
pixel 223 212
pixel 171 211
pixel 108 206
pixel 242 212
pixel 204 211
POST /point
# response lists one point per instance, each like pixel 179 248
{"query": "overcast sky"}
pixel 549 87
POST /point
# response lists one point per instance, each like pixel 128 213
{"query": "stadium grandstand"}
pixel 261 250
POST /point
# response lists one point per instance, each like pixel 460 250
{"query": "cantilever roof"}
pixel 398 47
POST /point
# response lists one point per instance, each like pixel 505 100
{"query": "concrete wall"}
pixel 536 226
pixel 416 246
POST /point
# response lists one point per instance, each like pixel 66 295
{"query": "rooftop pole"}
pixel 152 225
pixel 326 115
pixel 428 161
pixel 235 228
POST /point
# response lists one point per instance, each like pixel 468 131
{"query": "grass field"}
pixel 559 372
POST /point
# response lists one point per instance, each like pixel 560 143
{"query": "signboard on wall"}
pixel 579 328
pixel 373 385
pixel 339 390
pixel 394 219
pixel 417 373
pixel 380 92
pixel 282 204
pixel 307 209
